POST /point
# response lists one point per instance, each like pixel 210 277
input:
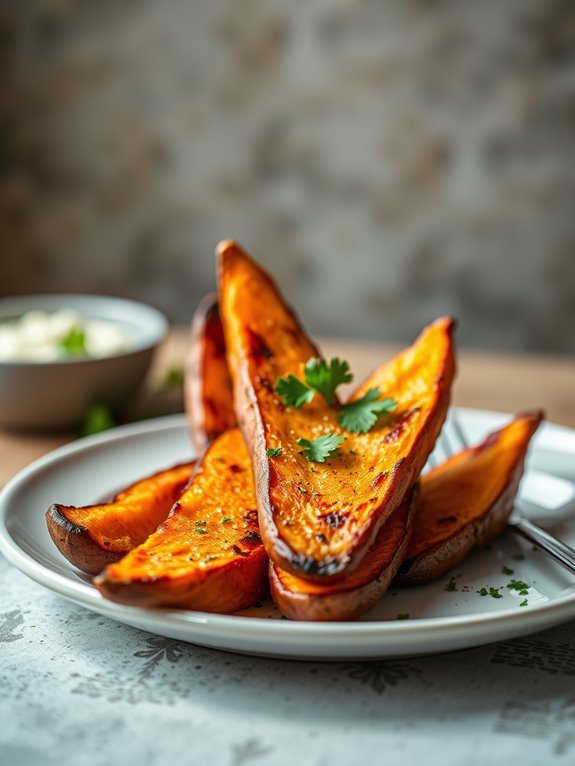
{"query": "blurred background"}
pixel 388 161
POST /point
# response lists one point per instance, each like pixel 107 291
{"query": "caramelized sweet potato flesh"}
pixel 318 524
pixel 353 594
pixel 342 528
pixel 207 384
pixel 467 500
pixel 208 554
pixel 95 535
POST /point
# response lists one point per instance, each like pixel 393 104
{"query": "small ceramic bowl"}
pixel 57 395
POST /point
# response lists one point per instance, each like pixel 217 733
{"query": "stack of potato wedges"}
pixel 319 501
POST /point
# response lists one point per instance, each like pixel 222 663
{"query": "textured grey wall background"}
pixel 389 161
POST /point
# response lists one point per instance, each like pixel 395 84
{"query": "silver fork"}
pixel 521 525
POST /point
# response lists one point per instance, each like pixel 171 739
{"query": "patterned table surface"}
pixel 78 688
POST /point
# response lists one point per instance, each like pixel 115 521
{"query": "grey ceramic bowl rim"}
pixel 152 324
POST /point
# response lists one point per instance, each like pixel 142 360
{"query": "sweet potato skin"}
pixel 208 554
pixel 75 544
pixel 208 394
pixel 356 594
pixel 93 536
pixel 466 501
pixel 314 534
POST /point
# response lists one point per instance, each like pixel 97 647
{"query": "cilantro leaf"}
pixel 319 376
pixel 274 451
pixel 173 378
pixel 98 418
pixel 74 343
pixel 361 415
pixel 293 392
pixel 318 450
pixel 325 378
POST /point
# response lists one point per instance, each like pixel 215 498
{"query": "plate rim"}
pixel 205 624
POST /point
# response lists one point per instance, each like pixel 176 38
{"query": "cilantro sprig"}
pixel 361 415
pixel 358 416
pixel 293 392
pixel 320 377
pixel 318 450
pixel 325 378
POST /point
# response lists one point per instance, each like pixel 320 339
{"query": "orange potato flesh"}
pixel 95 535
pixel 207 384
pixel 467 500
pixel 219 574
pixel 208 554
pixel 319 524
pixel 355 593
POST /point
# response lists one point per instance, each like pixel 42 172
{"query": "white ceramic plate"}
pixel 442 616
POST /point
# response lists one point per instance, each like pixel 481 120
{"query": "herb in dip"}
pixel 39 336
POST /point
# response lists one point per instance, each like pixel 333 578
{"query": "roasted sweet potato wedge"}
pixel 296 598
pixel 208 554
pixel 92 536
pixel 318 524
pixel 207 384
pixel 466 501
pixel 354 594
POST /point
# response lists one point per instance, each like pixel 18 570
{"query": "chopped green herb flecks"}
pixel 518 585
pixel 227 519
pixel 506 571
pixel 303 490
pixel 524 602
pixel 274 451
pixel 451 585
pixel 493 592
pixel 403 616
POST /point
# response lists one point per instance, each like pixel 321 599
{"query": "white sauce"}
pixel 38 336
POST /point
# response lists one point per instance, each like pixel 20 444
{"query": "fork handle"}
pixel 559 550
